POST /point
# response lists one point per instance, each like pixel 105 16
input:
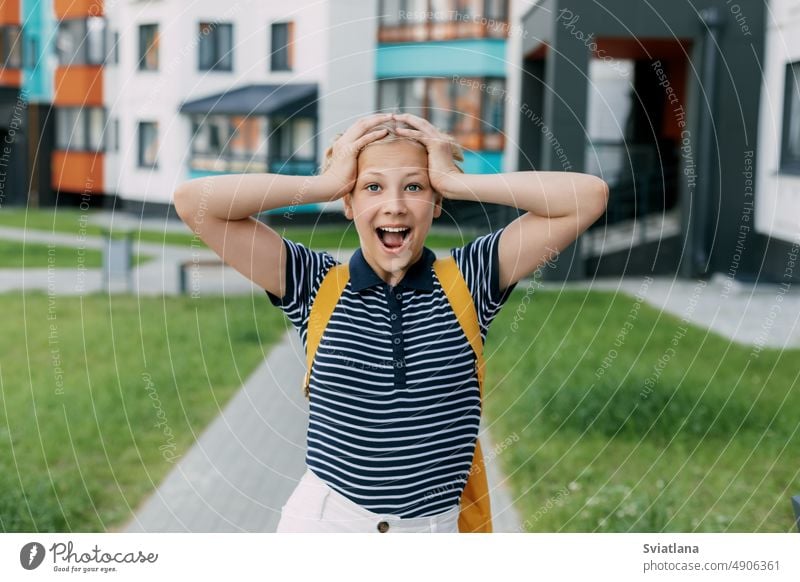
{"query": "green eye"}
pixel 417 186
pixel 368 186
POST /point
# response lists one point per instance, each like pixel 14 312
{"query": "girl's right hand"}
pixel 343 169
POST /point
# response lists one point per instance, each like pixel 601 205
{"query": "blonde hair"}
pixel 393 136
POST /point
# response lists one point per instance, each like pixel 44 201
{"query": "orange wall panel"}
pixel 10 77
pixel 78 172
pixel 9 11
pixel 77 8
pixel 78 86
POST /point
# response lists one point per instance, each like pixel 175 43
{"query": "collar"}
pixel 418 276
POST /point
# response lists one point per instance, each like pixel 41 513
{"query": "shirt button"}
pixel 398 295
pixel 394 316
pixel 397 340
pixel 383 526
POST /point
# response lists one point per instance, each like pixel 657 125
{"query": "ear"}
pixel 437 204
pixel 348 206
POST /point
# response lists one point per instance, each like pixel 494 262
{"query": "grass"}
pixel 16 255
pixel 80 445
pixel 607 439
pixel 317 237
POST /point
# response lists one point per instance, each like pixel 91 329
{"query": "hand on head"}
pixel 342 168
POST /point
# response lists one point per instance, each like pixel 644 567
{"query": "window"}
pixel 402 95
pixel 293 139
pixel 81 129
pixel 492 113
pixel 215 47
pixel 390 12
pixel 82 41
pixel 148 144
pixel 210 135
pixel 414 20
pixel 10 46
pixel 281 55
pixel 472 110
pixel 148 47
pixel 790 143
pixel 496 10
pixel 31 53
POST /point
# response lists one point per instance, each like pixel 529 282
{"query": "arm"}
pixel 219 209
pixel 559 207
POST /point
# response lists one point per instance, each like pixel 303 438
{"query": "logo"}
pixel 31 555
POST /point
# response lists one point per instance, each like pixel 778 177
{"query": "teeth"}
pixel 393 229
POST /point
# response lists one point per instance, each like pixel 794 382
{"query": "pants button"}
pixel 383 526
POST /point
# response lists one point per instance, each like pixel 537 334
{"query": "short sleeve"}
pixel 480 266
pixel 305 270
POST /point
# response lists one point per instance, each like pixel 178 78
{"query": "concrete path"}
pixel 245 465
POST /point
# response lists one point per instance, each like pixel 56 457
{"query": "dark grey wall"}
pixel 732 116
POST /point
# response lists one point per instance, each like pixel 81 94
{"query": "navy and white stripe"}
pixel 394 402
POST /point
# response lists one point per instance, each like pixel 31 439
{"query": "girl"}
pixel 394 402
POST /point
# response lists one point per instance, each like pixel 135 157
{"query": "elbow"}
pixel 601 196
pixel 183 200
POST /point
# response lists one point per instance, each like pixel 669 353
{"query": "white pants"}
pixel 316 507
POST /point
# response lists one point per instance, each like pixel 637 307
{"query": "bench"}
pixel 185 265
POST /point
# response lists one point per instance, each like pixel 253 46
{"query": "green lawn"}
pixel 318 237
pixel 711 446
pixel 80 441
pixel 15 255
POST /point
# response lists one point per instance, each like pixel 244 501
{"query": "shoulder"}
pixel 305 269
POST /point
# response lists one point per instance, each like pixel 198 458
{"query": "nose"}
pixel 394 202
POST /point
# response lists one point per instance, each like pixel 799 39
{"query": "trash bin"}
pixel 117 257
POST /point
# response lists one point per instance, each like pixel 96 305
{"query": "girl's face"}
pixel 392 191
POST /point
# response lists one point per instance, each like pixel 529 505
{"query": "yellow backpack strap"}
pixel 476 512
pixel 455 287
pixel 324 303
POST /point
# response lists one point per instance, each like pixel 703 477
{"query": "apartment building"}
pixel 135 97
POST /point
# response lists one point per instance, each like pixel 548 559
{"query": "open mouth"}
pixel 392 239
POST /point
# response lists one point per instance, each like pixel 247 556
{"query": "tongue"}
pixel 393 239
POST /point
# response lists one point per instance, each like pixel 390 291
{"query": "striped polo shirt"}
pixel 394 403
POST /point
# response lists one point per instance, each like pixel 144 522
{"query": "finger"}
pixel 360 127
pixel 370 137
pixel 416 121
pixel 413 133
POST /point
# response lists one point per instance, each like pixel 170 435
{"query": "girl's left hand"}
pixel 441 168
